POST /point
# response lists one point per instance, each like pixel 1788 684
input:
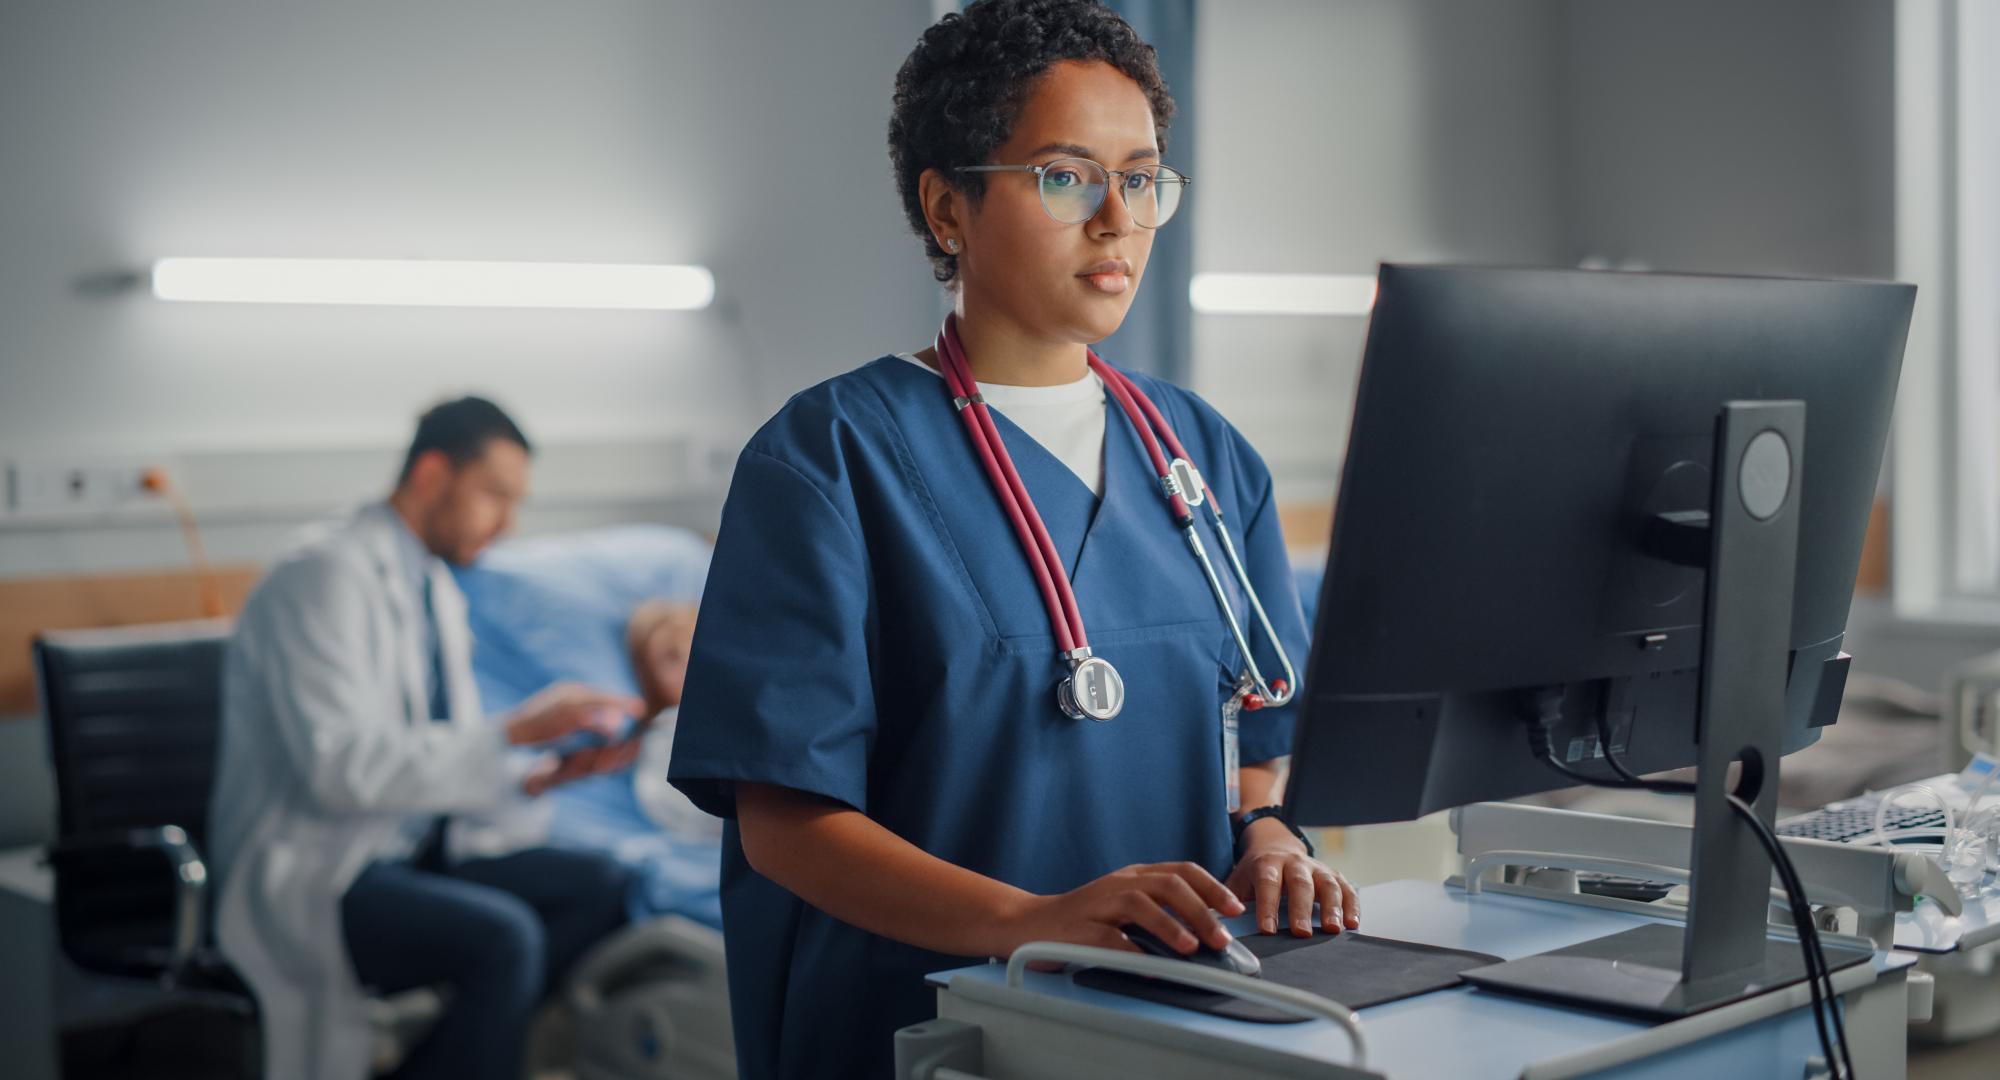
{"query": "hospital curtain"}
pixel 1156 335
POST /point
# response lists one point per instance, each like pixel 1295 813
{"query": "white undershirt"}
pixel 1068 420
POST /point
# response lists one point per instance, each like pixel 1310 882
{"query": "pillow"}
pixel 553 607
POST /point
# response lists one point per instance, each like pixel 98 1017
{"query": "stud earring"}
pixel 951 246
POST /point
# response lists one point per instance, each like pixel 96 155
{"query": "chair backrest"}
pixel 133 715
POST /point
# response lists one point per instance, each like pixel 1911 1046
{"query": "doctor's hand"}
pixel 555 770
pixel 566 708
pixel 1276 865
pixel 1149 895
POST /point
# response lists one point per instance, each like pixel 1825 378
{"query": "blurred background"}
pixel 1846 138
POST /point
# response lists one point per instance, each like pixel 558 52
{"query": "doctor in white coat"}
pixel 351 730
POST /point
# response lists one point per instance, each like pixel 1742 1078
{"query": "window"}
pixel 1945 483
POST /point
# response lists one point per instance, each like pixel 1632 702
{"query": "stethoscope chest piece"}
pixel 1093 691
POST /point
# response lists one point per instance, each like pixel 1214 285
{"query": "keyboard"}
pixel 1842 824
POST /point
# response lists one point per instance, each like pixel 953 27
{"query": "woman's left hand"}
pixel 1276 865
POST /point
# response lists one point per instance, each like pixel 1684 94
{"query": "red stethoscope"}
pixel 1093 688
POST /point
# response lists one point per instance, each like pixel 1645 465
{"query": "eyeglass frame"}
pixel 1184 180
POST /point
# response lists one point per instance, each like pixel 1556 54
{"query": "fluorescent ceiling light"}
pixel 1283 294
pixel 435 283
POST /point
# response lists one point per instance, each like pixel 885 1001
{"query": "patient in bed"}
pixel 613 608
pixel 657 639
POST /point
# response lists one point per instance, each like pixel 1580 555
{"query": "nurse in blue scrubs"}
pixel 872 703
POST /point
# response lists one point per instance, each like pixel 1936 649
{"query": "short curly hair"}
pixel 961 89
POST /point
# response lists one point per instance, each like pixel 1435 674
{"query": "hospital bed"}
pixel 652 1001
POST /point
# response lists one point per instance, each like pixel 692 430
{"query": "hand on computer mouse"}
pixel 1173 900
pixel 1275 866
pixel 1236 958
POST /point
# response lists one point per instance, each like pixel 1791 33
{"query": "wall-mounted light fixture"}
pixel 434 283
pixel 1283 294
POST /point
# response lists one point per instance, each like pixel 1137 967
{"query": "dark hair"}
pixel 961 89
pixel 461 429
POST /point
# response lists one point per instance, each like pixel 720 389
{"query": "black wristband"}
pixel 1272 811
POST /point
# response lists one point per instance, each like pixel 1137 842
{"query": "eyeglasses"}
pixel 1073 189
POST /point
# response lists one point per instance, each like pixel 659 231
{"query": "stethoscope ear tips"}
pixel 1254 701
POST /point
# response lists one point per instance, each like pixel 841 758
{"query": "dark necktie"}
pixel 429 854
pixel 440 692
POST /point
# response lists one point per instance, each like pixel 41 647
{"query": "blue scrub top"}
pixel 871 632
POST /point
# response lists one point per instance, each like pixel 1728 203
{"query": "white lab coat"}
pixel 327 753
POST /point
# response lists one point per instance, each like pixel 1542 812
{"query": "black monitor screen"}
pixel 1515 434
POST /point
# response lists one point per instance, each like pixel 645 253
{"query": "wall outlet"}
pixel 50 487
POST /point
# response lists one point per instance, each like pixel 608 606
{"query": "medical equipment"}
pixel 1842 822
pixel 652 1002
pixel 1094 689
pixel 158 481
pixel 1972 701
pixel 1966 846
pixel 1958 936
pixel 1958 827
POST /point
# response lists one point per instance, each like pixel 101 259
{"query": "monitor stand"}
pixel 1725 954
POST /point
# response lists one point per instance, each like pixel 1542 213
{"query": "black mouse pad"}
pixel 1354 969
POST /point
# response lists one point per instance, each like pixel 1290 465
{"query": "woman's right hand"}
pixel 1149 895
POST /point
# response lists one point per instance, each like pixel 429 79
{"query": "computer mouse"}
pixel 1236 958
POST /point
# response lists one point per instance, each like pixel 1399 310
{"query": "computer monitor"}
pixel 1520 534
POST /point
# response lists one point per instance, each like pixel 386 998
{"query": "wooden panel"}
pixel 1873 577
pixel 1306 525
pixel 29 606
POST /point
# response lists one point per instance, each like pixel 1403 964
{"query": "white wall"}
pixel 1336 135
pixel 1731 136
pixel 1744 136
pixel 747 136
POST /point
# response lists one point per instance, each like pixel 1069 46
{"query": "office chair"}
pixel 133 716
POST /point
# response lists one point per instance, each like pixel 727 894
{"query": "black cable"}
pixel 1548 705
pixel 1819 979
pixel 1802 916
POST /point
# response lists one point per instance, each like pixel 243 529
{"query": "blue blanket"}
pixel 553 608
